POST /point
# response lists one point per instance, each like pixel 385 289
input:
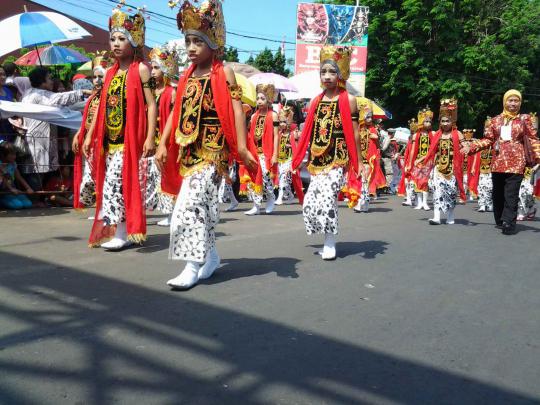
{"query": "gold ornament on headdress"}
pixel 286 114
pixel 423 114
pixel 449 108
pixel 468 134
pixel 206 21
pixel 268 90
pixel 413 125
pixel 101 60
pixel 167 61
pixel 341 56
pixel 364 108
pixel 131 26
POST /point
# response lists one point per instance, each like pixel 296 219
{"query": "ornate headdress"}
pixel 206 22
pixel 340 58
pixel 167 61
pixel 286 114
pixel 413 125
pixel 449 108
pixel 364 108
pixel 468 134
pixel 101 61
pixel 423 114
pixel 131 26
pixel 269 91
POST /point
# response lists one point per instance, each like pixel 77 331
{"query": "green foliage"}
pixel 231 55
pixel 268 62
pixel 422 51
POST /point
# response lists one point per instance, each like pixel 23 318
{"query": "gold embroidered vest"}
pixel 328 148
pixel 485 161
pixel 115 121
pixel 259 132
pixel 92 108
pixel 446 158
pixel 199 132
pixel 423 144
pixel 285 148
pixel 364 144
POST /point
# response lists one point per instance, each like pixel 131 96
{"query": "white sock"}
pixel 418 200
pixel 210 265
pixel 436 215
pixel 329 250
pixel 188 278
pixel 121 231
pixel 450 219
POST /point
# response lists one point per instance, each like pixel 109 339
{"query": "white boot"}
pixel 329 250
pixel 165 221
pixel 120 239
pixel 425 205
pixel 210 265
pixel 436 220
pixel 482 208
pixel 489 208
pixel 253 211
pixel 279 200
pixel 234 203
pixel 270 204
pixel 450 218
pixel 188 278
pixel 419 202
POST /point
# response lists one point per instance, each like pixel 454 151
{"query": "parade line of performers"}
pixel 145 144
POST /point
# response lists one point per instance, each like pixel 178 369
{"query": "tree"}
pixel 422 51
pixel 268 62
pixel 231 55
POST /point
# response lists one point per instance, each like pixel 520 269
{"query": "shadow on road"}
pixel 179 350
pixel 367 249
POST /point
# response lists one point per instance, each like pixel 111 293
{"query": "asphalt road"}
pixel 408 313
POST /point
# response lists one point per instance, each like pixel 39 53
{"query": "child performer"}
pixel 421 142
pixel 208 124
pixel 331 134
pixel 288 137
pixel 84 187
pixel 445 154
pixel 164 69
pixel 122 132
pixel 264 134
pixel 480 183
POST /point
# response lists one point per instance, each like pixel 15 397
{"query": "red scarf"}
pixel 305 139
pixel 421 175
pixel 267 143
pixel 376 176
pixel 170 178
pixel 134 137
pixel 405 175
pixel 224 108
pixel 78 162
pixel 296 179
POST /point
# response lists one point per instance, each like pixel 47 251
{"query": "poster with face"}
pixel 312 23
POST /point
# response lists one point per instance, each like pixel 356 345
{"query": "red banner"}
pixel 307 58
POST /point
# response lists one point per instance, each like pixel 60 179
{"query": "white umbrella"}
pixel 281 83
pixel 37 28
pixel 309 86
pixel 401 134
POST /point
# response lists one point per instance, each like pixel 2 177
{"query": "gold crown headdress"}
pixel 340 57
pixel 167 61
pixel 132 27
pixel 423 114
pixel 468 133
pixel 413 125
pixel 364 108
pixel 286 114
pixel 269 91
pixel 101 61
pixel 206 22
pixel 449 109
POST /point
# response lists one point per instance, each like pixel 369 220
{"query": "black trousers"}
pixel 506 197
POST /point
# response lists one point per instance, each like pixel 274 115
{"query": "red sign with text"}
pixel 307 58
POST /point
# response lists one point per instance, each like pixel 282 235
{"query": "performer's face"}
pixel 513 104
pixel 329 76
pixel 262 101
pixel 283 124
pixel 97 79
pixel 369 118
pixel 157 73
pixel 446 124
pixel 198 50
pixel 427 124
pixel 120 45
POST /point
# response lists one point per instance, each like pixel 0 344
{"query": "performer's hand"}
pixel 149 148
pixel 466 148
pixel 75 145
pixel 161 157
pixel 419 161
pixel 274 160
pixel 86 148
pixel 248 159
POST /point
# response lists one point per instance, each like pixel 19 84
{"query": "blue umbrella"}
pixel 37 28
pixel 51 55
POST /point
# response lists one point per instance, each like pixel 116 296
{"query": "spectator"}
pixel 10 178
pixel 6 130
pixel 13 79
pixel 41 140
pixel 59 185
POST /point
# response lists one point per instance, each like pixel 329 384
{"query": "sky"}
pixel 273 20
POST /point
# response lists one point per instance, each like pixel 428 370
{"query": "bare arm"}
pixel 276 138
pixel 20 179
pixel 161 153
pixel 354 111
pixel 151 112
